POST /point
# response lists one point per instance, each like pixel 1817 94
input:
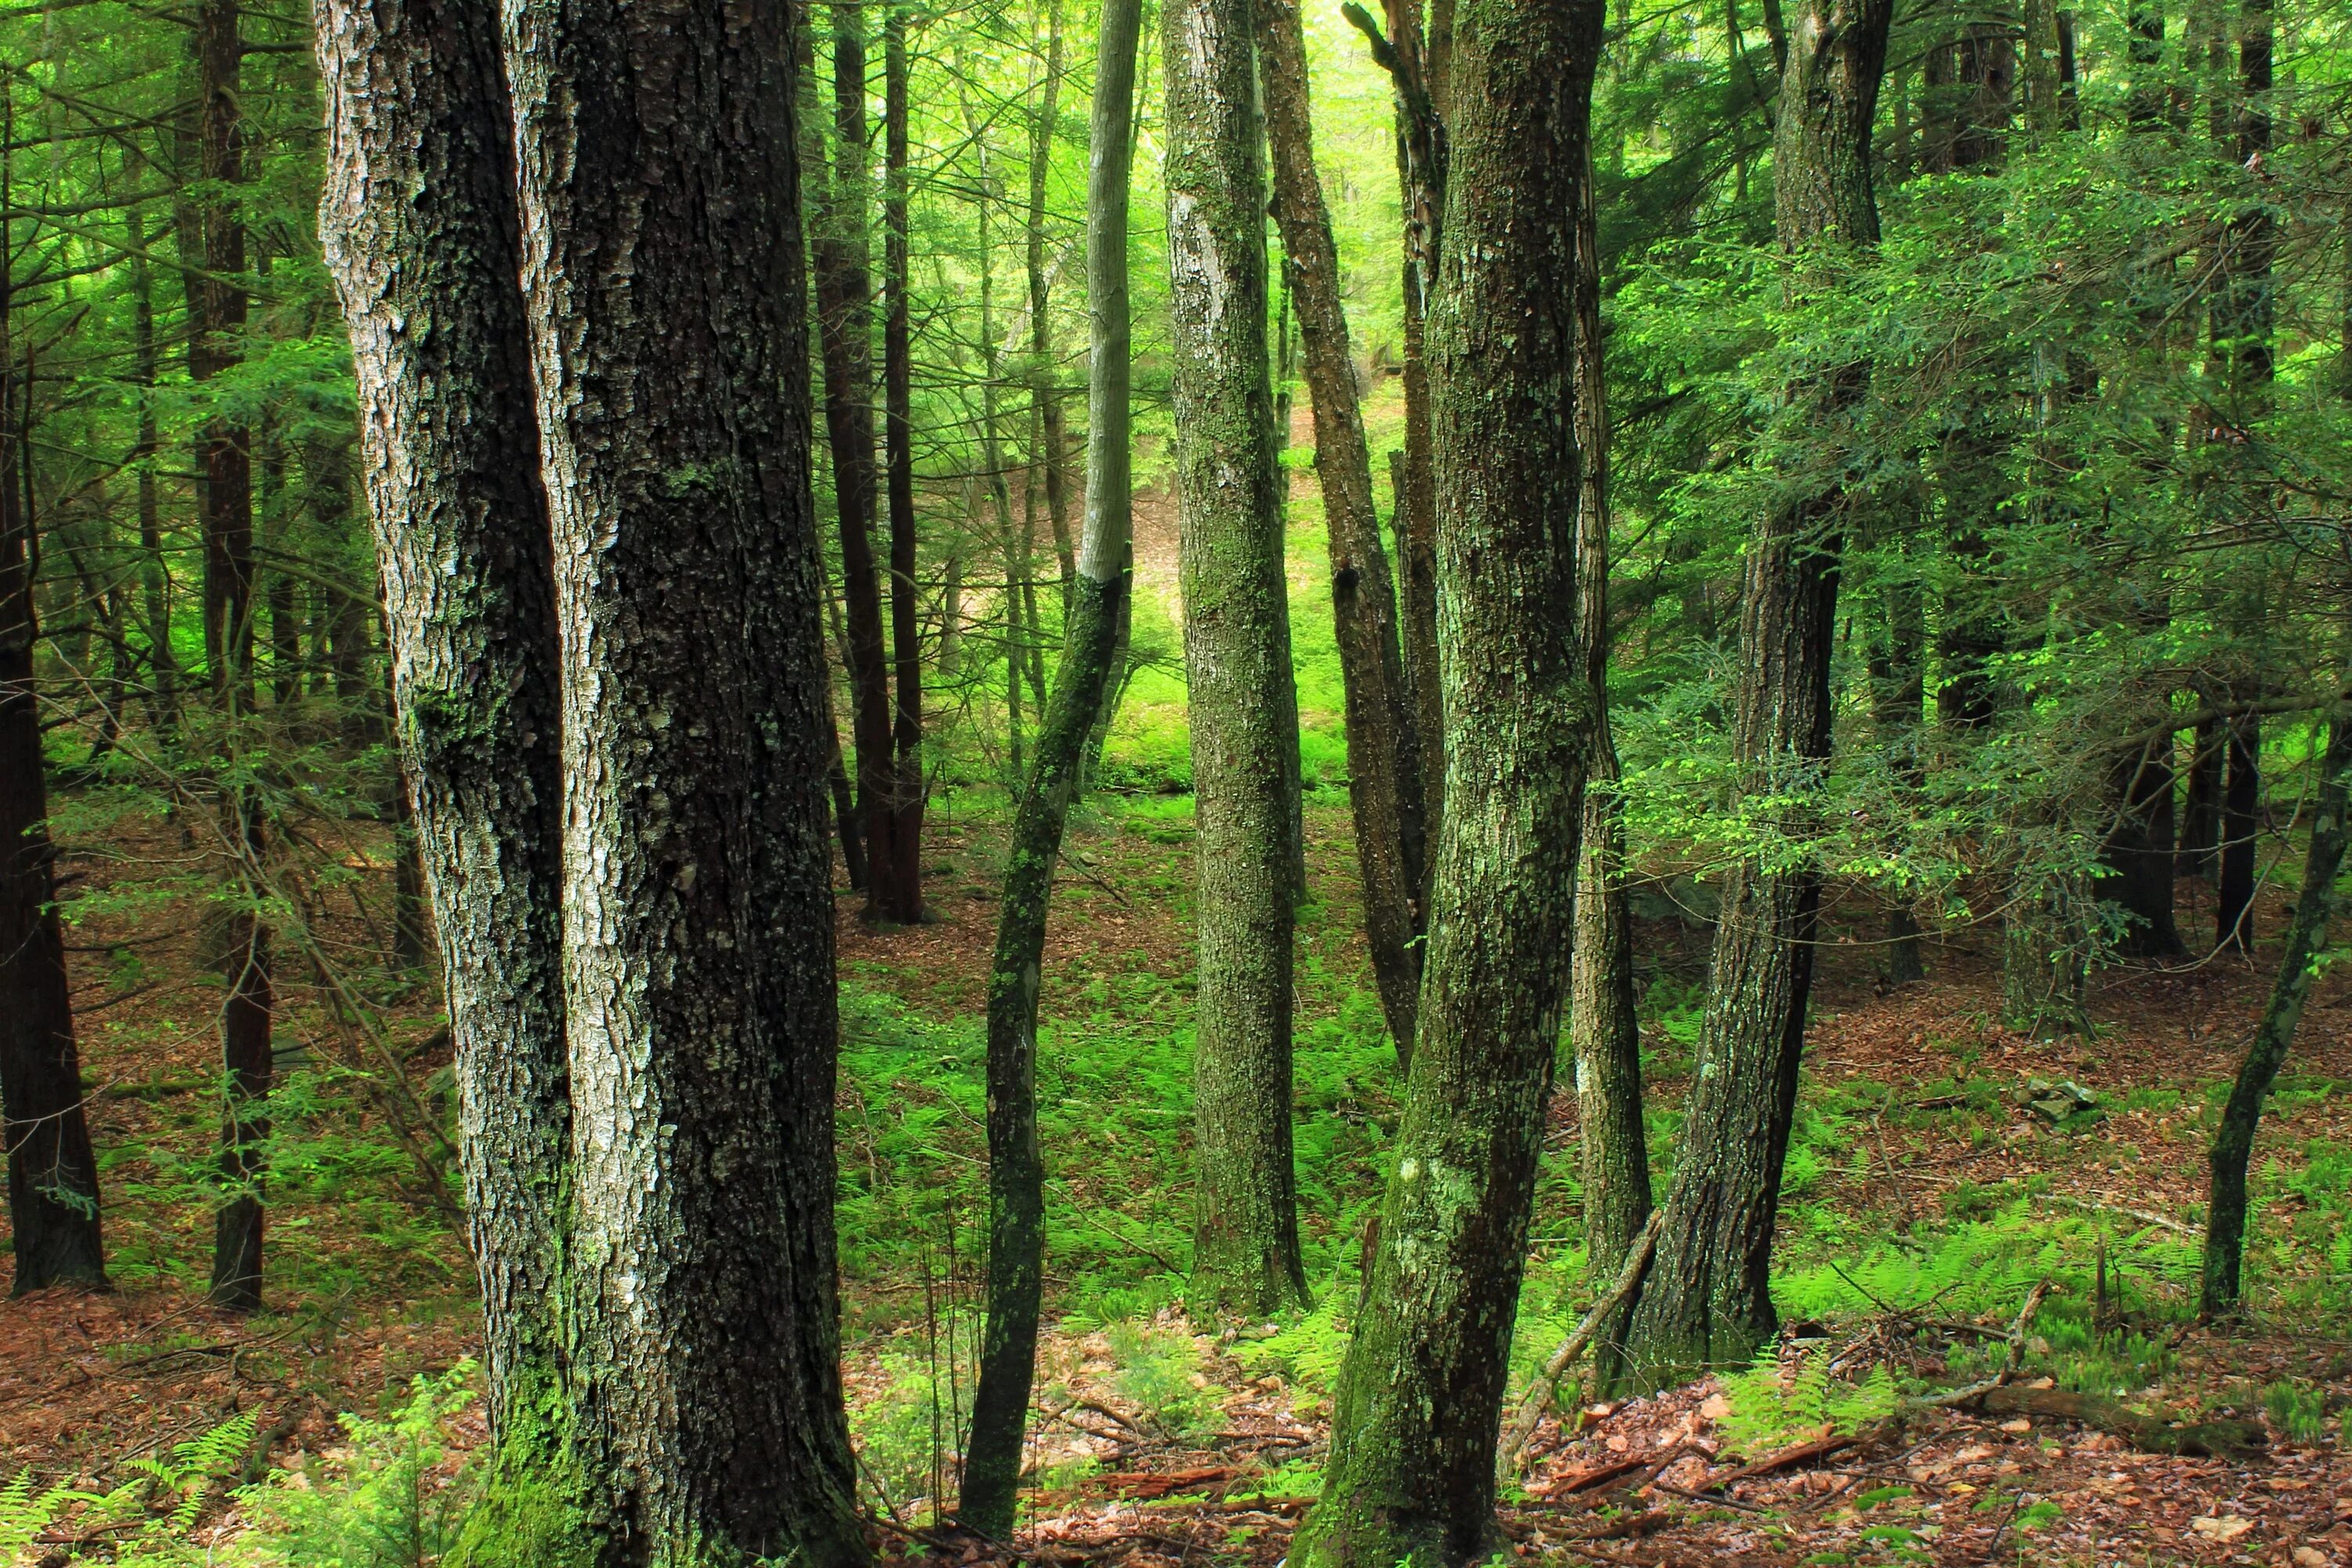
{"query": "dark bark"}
pixel 53 1209
pixel 841 253
pixel 1105 577
pixel 155 580
pixel 1385 772
pixel 1245 709
pixel 2307 938
pixel 2200 810
pixel 2138 854
pixel 664 292
pixel 1707 1302
pixel 1412 1462
pixel 1898 672
pixel 906 784
pixel 2241 800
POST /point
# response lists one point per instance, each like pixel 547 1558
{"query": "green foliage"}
pixel 146 1514
pixel 2297 1410
pixel 1775 1403
pixel 1159 1371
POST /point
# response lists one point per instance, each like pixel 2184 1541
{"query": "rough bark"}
pixel 1412 1463
pixel 659 209
pixel 53 1212
pixel 841 253
pixel 1245 709
pixel 2138 853
pixel 1105 577
pixel 908 789
pixel 2307 938
pixel 1707 1302
pixel 2199 844
pixel 2241 800
pixel 1384 744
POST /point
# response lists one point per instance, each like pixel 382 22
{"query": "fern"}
pixel 1773 1405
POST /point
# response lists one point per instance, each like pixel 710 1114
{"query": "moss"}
pixel 531 1513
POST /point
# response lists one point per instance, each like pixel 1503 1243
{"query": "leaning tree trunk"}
pixel 2307 938
pixel 1383 745
pixel 418 222
pixel 1604 1029
pixel 52 1173
pixel 1245 709
pixel 663 287
pixel 217 309
pixel 1411 1471
pixel 1706 1301
pixel 1016 1249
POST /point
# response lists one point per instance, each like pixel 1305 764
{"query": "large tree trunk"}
pixel 1412 1462
pixel 1706 1301
pixel 216 310
pixel 2241 800
pixel 1604 1028
pixel 2307 938
pixel 1245 709
pixel 663 285
pixel 2139 855
pixel 52 1173
pixel 1104 578
pixel 846 334
pixel 907 787
pixel 1384 746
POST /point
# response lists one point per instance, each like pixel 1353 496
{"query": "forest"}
pixel 831 783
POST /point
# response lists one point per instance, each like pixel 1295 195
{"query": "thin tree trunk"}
pixel 52 1210
pixel 907 789
pixel 845 333
pixel 1384 770
pixel 2307 938
pixel 665 299
pixel 2200 819
pixel 1043 396
pixel 1706 1301
pixel 1412 1470
pixel 1898 688
pixel 1016 1170
pixel 2139 855
pixel 2234 915
pixel 1244 710
pixel 156 579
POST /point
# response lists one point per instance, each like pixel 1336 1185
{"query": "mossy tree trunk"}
pixel 1420 1402
pixel 1707 1302
pixel 52 1171
pixel 2307 938
pixel 1245 709
pixel 1384 750
pixel 419 225
pixel 1104 578
pixel 661 274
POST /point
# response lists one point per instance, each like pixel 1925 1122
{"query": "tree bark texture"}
pixel 907 787
pixel 2242 803
pixel 1052 439
pixel 1708 1303
pixel 53 1212
pixel 1384 744
pixel 659 209
pixel 418 224
pixel 2138 854
pixel 2307 939
pixel 1419 1400
pixel 1105 576
pixel 1245 707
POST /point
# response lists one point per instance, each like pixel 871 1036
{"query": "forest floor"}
pixel 1925 1203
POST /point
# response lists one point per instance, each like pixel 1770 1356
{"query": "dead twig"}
pixel 1547 1385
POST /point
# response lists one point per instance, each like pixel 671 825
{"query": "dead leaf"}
pixel 2309 1557
pixel 2019 1424
pixel 2221 1527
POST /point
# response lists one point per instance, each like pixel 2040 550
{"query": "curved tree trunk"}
pixel 1245 709
pixel 1706 1301
pixel 1105 577
pixel 1411 1471
pixel 663 285
pixel 1384 770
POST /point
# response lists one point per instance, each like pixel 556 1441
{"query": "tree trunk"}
pixel 1053 441
pixel 845 333
pixel 664 290
pixel 1897 690
pixel 1105 576
pixel 2139 855
pixel 1244 710
pixel 1707 1302
pixel 2241 800
pixel 2201 817
pixel 2307 938
pixel 1383 747
pixel 155 578
pixel 52 1173
pixel 907 787
pixel 1419 1401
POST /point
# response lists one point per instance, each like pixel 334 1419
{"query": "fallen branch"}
pixel 2148 1433
pixel 1547 1385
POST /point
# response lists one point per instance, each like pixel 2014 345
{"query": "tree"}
pixel 419 223
pixel 1413 1460
pixel 908 784
pixel 1245 709
pixel 1384 752
pixel 700 1419
pixel 2299 961
pixel 1105 576
pixel 53 1213
pixel 1706 1301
